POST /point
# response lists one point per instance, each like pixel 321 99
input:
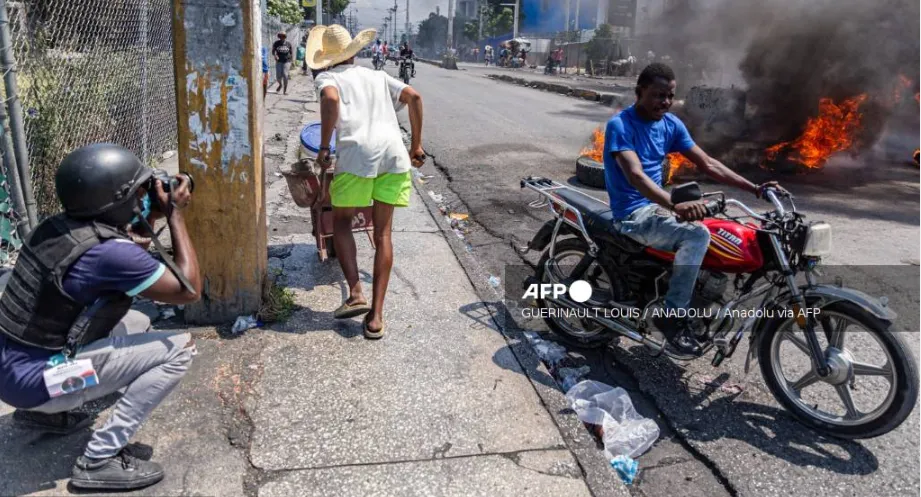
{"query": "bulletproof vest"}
pixel 35 310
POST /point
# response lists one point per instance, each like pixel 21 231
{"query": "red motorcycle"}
pixel 808 326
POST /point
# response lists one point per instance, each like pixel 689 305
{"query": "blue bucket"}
pixel 310 139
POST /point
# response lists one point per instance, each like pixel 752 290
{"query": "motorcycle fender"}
pixel 545 233
pixel 820 296
pixel 823 295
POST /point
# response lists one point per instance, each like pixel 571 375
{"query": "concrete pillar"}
pixel 219 109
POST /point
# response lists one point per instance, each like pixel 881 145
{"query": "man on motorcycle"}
pixel 377 54
pixel 407 53
pixel 637 141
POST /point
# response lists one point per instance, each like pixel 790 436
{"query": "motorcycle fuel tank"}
pixel 733 248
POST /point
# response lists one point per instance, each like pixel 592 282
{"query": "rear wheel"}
pixel 873 383
pixel 572 330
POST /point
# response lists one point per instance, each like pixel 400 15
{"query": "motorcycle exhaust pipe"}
pixel 612 324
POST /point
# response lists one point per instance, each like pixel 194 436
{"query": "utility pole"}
pixel 578 26
pixel 481 8
pixel 568 27
pixel 450 25
pixel 219 116
pixel 517 9
pixel 319 12
pixel 409 27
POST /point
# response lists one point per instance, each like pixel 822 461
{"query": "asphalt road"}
pixel 485 135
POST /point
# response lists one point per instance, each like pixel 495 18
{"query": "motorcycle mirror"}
pixel 686 192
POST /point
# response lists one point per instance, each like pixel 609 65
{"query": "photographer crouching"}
pixel 67 331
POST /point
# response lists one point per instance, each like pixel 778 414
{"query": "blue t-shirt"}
pixel 265 60
pixel 115 265
pixel 652 141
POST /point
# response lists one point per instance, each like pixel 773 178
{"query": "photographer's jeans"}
pixel 146 366
pixel 656 227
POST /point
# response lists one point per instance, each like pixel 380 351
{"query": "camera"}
pixel 169 182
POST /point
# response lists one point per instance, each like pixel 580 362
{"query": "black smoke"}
pixel 790 53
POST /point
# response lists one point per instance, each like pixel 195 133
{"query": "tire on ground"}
pixel 590 172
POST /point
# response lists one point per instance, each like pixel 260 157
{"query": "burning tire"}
pixel 590 172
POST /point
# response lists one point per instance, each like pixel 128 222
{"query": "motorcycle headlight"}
pixel 818 240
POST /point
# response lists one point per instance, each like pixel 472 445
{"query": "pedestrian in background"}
pixel 265 72
pixel 372 163
pixel 282 51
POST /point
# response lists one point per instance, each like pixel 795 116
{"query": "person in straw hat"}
pixel 372 163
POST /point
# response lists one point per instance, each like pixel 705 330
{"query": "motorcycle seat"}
pixel 598 219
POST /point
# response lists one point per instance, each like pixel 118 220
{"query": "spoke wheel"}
pixel 871 385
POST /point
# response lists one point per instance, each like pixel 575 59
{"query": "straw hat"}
pixel 330 45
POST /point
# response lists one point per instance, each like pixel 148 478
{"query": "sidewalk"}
pixel 440 406
pixel 599 84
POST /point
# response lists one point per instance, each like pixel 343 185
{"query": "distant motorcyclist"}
pixel 377 54
pixel 407 53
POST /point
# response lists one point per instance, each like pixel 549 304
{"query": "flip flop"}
pixel 349 311
pixel 373 335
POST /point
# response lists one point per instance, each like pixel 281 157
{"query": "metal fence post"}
pixel 13 180
pixel 17 128
pixel 145 154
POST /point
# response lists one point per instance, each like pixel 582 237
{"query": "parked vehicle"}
pixel 747 284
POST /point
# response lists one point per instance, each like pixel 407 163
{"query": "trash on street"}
pixel 244 323
pixel 626 468
pixel 569 377
pixel 550 352
pixel 623 430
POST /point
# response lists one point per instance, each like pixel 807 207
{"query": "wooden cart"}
pixel 309 187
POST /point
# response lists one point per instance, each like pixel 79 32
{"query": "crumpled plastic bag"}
pixel 244 323
pixel 550 352
pixel 624 431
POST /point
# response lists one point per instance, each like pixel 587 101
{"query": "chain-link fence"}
pixel 91 71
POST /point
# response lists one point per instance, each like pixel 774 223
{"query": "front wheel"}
pixel 406 78
pixel 872 385
pixel 573 330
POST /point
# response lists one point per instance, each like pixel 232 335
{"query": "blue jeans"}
pixel 656 227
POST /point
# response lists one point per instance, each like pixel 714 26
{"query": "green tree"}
pixel 433 32
pixel 335 7
pixel 602 44
pixel 289 11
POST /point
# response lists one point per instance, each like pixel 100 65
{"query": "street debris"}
pixel 437 197
pixel 725 387
pixel 244 323
pixel 167 312
pixel 494 281
pixel 550 352
pixel 458 216
pixel 569 377
pixel 623 431
pixel 626 468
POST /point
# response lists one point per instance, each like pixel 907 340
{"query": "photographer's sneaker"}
pixel 121 472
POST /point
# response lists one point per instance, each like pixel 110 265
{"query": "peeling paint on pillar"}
pixel 220 143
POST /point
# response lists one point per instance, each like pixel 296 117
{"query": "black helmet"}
pixel 101 181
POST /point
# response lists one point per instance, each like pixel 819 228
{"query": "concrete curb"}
pixel 603 98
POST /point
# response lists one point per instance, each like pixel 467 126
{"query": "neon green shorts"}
pixel 348 190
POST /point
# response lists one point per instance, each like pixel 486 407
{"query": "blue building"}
pixel 549 16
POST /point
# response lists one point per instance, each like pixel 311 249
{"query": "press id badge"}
pixel 63 377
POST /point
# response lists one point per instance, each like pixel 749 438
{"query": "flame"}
pixel 596 150
pixel 833 130
pixel 676 163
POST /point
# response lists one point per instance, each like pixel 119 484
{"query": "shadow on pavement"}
pixel 707 418
pixel 767 428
